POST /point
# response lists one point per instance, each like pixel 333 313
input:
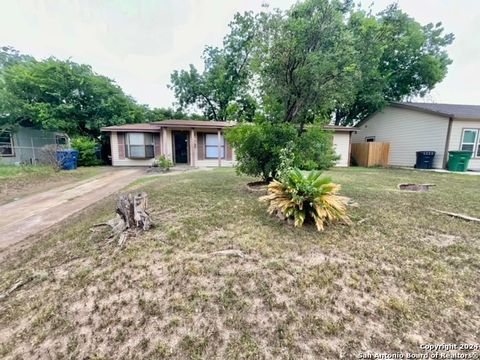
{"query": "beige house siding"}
pixel 116 161
pixel 341 142
pixel 407 131
pixel 456 133
pixel 167 149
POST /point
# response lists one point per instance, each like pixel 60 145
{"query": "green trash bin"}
pixel 458 160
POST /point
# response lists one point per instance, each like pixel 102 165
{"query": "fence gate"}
pixel 371 153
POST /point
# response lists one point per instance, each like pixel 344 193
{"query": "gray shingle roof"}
pixel 450 110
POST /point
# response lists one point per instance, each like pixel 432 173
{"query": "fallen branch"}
pixel 461 216
pixel 230 252
pixel 361 221
pixel 16 286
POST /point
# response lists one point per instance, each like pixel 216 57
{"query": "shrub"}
pixel 48 156
pixel 162 162
pixel 87 151
pixel 306 196
pixel 258 148
pixel 314 149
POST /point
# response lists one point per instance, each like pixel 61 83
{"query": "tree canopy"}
pixel 397 58
pixel 319 60
pixel 56 94
pixel 221 91
pixel 64 95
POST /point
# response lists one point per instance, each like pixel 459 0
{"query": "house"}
pixel 410 127
pixel 189 142
pixel 26 145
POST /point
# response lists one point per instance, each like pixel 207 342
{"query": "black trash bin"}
pixel 425 159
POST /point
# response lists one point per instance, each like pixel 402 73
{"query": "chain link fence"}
pixel 31 150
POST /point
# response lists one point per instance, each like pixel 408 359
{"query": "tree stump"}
pixel 132 216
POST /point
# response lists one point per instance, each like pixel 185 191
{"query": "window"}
pixel 471 141
pixel 6 144
pixel 60 140
pixel 139 146
pixel 211 146
pixel 370 139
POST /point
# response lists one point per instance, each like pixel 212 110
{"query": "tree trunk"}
pixel 131 216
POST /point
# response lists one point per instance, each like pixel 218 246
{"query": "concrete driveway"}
pixel 28 216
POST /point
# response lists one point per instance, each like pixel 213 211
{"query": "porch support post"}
pixel 219 148
pixel 164 142
pixel 193 147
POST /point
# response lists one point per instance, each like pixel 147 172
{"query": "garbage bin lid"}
pixel 460 152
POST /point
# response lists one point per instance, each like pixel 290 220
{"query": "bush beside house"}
pixel 258 147
pixel 87 151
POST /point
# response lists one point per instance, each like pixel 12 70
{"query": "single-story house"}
pixel 189 142
pixel 25 144
pixel 410 127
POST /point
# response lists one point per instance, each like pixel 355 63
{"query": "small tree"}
pixel 260 148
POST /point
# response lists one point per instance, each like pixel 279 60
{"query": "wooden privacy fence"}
pixel 371 153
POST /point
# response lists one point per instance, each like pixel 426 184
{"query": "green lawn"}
pixel 18 181
pixel 400 276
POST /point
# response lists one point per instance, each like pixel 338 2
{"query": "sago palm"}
pixel 302 196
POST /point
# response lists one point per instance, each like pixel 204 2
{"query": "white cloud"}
pixel 138 43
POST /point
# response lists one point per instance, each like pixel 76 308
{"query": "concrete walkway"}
pixel 28 216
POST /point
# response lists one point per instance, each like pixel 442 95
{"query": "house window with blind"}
pixel 139 146
pixel 6 144
pixel 211 146
pixel 471 141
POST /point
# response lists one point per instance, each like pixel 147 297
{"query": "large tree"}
pixel 306 61
pixel 396 57
pixel 55 94
pixel 221 91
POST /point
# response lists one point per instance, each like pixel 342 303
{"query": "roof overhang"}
pixel 193 124
pixel 338 128
pixel 416 108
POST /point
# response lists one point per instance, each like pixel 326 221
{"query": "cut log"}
pixel 132 216
pixel 460 216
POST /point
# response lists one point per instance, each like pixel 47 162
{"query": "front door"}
pixel 180 144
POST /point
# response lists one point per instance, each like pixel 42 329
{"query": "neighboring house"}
pixel 411 127
pixel 189 142
pixel 25 145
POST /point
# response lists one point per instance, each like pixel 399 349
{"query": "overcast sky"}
pixel 138 43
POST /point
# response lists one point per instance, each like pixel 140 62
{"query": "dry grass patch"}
pixel 401 277
pixel 19 181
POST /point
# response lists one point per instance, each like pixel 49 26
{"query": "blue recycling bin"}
pixel 67 159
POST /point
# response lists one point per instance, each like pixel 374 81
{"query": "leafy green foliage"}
pixel 306 62
pixel 258 146
pixel 87 151
pixel 306 196
pixel 262 148
pixel 396 58
pixel 320 57
pixel 221 90
pixel 9 56
pixel 63 95
pixel 313 150
pixel 162 162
